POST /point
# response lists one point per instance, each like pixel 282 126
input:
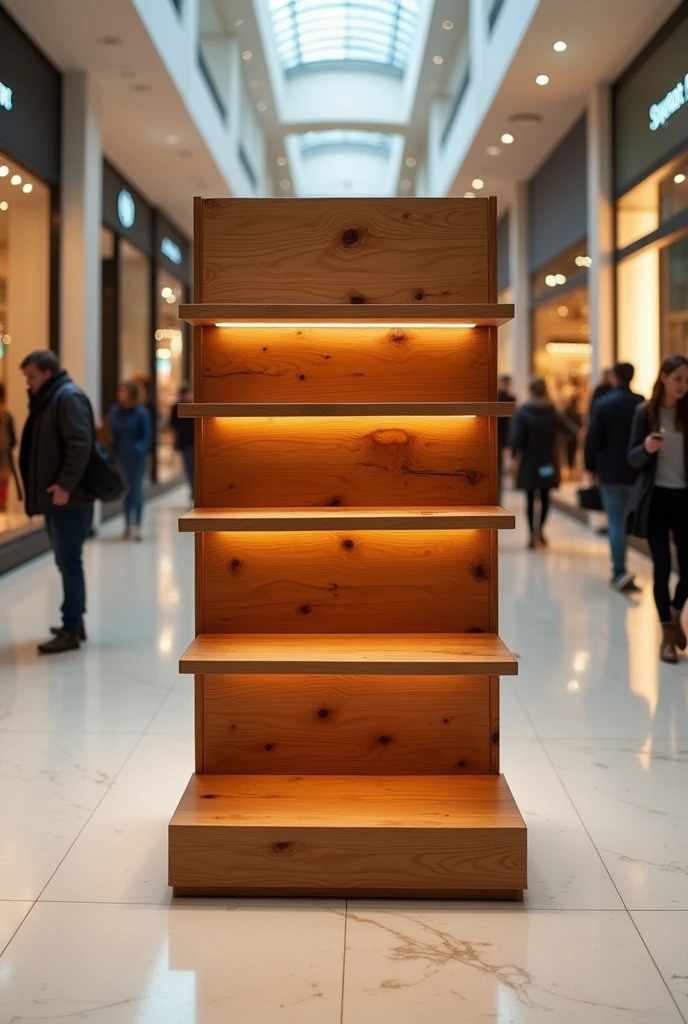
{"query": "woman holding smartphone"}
pixel 659 506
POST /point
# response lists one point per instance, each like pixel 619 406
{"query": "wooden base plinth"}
pixel 345 835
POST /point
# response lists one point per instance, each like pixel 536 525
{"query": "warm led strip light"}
pixel 350 323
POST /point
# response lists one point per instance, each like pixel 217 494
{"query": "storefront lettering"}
pixel 673 101
pixel 171 250
pixel 5 96
pixel 126 208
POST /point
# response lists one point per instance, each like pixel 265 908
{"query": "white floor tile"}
pixel 665 933
pixel 411 966
pixel 187 963
pixel 12 913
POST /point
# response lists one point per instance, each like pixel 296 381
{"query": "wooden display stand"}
pixel 347 660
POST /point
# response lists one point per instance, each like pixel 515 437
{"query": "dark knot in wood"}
pixel 495 737
pixel 480 571
pixel 348 544
pixel 334 502
pixel 390 437
pixel 398 336
pixel 282 846
pixel 323 713
pixel 302 376
pixel 269 746
pixel 384 740
pixel 209 796
pixel 357 300
pixel 350 236
pixel 305 609
pixel 461 764
pixel 420 295
pixel 235 565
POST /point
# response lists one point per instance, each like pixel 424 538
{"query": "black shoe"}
pixel 531 543
pixel 56 630
pixel 621 582
pixel 632 588
pixel 62 642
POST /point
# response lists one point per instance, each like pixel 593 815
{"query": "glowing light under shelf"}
pixel 346 324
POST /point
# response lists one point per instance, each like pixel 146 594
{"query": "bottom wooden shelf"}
pixel 347 835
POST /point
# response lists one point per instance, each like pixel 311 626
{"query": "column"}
pixel 82 189
pixel 519 265
pixel 600 229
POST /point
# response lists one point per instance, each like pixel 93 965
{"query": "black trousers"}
pixel 544 507
pixel 669 515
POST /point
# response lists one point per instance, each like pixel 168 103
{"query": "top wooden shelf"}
pixel 355 314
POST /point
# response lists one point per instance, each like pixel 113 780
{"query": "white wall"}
pixel 367 98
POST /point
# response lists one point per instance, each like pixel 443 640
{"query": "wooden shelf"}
pixel 348 834
pixel 223 520
pixel 370 653
pixel 230 409
pixel 492 314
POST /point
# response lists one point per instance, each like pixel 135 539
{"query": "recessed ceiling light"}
pixel 560 278
pixel 477 183
pixel 679 178
pixel 507 138
pixel 172 140
pixel 110 41
pixel 285 184
pixel 238 23
pixel 469 195
pixel 551 281
pixel 405 183
pixel 542 79
pixel 28 187
pixel 247 55
pixel 4 205
pixel 4 171
pixel 448 25
pixel 437 59
pixel 262 105
pixel 563 310
pixel 281 161
pixel 15 179
pixel 493 151
pixel 411 162
pixel 559 46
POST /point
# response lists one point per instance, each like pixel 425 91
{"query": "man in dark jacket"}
pixel 504 394
pixel 606 448
pixel 55 449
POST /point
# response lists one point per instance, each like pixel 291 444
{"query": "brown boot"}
pixel 667 648
pixel 679 632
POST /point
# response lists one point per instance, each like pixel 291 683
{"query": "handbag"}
pixel 103 477
pixel 590 499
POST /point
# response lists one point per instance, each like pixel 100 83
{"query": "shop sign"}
pixel 126 208
pixel 666 108
pixel 171 250
pixel 5 96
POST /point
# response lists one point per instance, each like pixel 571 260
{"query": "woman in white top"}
pixel 659 506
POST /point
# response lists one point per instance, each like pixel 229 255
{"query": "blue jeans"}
pixel 615 498
pixel 68 529
pixel 134 472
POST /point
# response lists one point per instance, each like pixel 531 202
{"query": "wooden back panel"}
pixel 297 462
pixel 302 365
pixel 355 582
pixel 352 250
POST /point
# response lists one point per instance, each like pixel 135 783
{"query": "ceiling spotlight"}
pixel 560 278
pixel 507 139
pixel 478 183
pixel 405 183
pixel 166 292
pixel 493 151
pixel 438 60
pixel 171 299
pixel 469 195
pixel 448 25
pixel 16 179
pixel 551 281
pixel 27 188
pixel 563 310
pixel 679 178
pixel 246 55
pixel 238 23
pixel 285 184
pixel 4 171
pixel 542 79
pixel 411 162
pixel 262 105
pixel 559 46
pixel 173 140
pixel 4 205
pixel 281 161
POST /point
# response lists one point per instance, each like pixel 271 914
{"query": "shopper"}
pixel 535 436
pixel 606 451
pixel 130 428
pixel 603 388
pixel 659 504
pixel 575 418
pixel 504 394
pixel 8 442
pixel 183 430
pixel 56 446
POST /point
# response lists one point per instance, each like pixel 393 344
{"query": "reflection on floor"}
pixel 95 748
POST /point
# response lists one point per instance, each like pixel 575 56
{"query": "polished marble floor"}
pixel 95 748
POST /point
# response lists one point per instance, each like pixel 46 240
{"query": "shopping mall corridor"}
pixel 96 747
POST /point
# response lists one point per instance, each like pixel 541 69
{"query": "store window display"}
pixel 169 369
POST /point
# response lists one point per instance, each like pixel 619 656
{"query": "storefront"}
pixel 651 184
pixel 30 104
pixel 559 263
pixel 146 270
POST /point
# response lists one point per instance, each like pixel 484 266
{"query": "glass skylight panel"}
pixel 373 32
pixel 345 138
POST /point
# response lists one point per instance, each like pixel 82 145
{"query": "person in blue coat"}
pixel 130 427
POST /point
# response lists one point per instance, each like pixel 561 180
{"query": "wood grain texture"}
pixel 190 410
pixel 347 582
pixel 341 654
pixel 345 250
pixel 483 314
pixel 280 364
pixel 333 725
pixel 381 462
pixel 324 834
pixel 223 520
pixel 493 727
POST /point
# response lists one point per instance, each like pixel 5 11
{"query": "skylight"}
pixel 374 33
pixel 340 138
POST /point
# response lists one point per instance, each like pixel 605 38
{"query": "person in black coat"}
pixel 504 394
pixel 535 435
pixel 606 451
pixel 183 430
pixel 659 503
